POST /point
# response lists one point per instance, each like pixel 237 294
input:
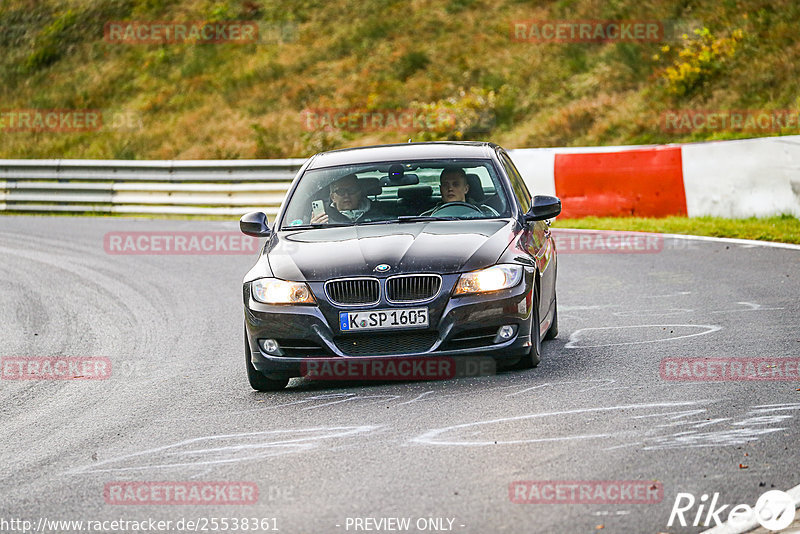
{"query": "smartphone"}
pixel 317 208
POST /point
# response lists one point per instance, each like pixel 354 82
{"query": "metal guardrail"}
pixel 206 187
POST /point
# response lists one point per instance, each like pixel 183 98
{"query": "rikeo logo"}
pixel 774 510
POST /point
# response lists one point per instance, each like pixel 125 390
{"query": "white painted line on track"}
pixel 575 337
pixel 748 242
pixel 733 241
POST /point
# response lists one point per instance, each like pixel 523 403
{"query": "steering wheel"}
pixel 458 204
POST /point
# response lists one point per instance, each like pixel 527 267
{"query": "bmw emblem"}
pixel 382 268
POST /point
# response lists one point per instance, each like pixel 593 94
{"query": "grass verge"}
pixel 783 228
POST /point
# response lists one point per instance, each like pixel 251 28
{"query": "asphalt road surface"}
pixel 343 457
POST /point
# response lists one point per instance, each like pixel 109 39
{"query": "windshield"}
pixel 388 192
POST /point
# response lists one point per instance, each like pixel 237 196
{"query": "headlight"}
pixel 274 291
pixel 489 279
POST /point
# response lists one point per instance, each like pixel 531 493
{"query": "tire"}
pixel 257 380
pixel 552 332
pixel 532 359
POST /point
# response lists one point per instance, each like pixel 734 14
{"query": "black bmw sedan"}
pixel 418 250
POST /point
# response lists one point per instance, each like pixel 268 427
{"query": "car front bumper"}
pixel 459 327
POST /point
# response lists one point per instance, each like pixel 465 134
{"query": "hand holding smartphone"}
pixel 318 212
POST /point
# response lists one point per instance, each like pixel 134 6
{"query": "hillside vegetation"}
pixel 224 101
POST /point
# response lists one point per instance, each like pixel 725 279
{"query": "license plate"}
pixel 378 319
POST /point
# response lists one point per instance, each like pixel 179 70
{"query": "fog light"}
pixel 505 332
pixel 270 346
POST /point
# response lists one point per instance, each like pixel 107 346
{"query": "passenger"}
pixel 454 187
pixel 348 203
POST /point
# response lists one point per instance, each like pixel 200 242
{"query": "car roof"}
pixel 403 151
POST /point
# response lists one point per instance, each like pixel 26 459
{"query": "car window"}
pixel 395 189
pixel 517 183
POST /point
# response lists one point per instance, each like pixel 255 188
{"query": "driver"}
pixel 454 187
pixel 348 203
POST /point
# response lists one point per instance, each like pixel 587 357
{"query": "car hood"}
pixel 433 246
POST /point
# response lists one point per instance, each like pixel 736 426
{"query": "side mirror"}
pixel 254 224
pixel 543 207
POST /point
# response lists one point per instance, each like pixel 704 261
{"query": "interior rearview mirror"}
pixel 397 180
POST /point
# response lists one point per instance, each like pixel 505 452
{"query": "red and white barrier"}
pixel 743 178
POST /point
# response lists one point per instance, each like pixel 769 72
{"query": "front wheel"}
pixel 552 332
pixel 532 359
pixel 257 380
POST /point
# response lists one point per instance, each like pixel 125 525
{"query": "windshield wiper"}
pixel 314 225
pixel 400 219
pixel 381 221
pixel 423 218
pixel 405 218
